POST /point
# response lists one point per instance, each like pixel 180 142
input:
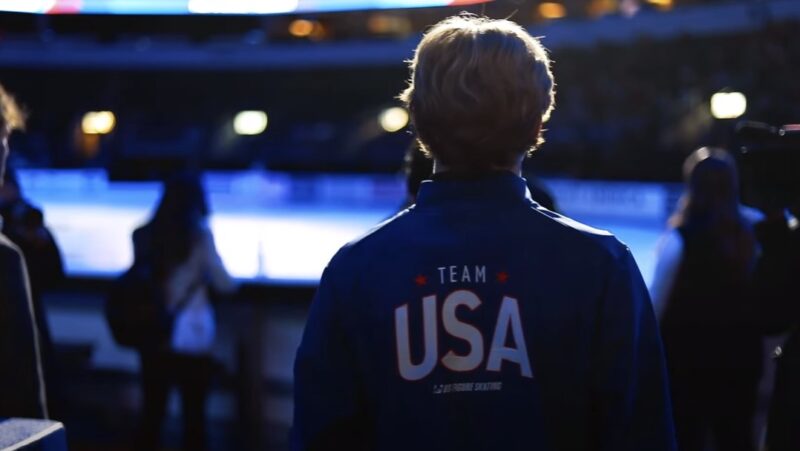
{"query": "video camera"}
pixel 769 164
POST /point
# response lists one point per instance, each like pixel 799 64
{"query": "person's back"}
pixel 178 246
pixel 712 303
pixel 709 322
pixel 487 323
pixel 713 347
pixel 477 320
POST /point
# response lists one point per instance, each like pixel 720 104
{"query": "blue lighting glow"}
pixel 283 228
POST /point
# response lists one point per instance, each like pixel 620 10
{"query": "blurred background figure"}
pixel 702 292
pixel 770 165
pixel 177 243
pixel 776 278
pixel 24 225
pixel 22 386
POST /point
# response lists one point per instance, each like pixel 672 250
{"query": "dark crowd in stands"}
pixel 635 119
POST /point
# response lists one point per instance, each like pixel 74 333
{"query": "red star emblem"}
pixel 421 280
pixel 502 277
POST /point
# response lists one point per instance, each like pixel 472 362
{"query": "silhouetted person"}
pixel 778 287
pixel 24 225
pixel 704 291
pixel 22 388
pixel 476 319
pixel 179 247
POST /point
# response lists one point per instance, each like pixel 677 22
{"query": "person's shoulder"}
pixel 573 235
pixel 141 232
pixel 371 239
pixel 204 227
pixel 204 234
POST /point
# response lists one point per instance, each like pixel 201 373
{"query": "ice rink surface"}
pixel 280 228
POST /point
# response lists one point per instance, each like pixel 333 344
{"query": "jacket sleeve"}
pixel 328 411
pixel 21 381
pixel 631 399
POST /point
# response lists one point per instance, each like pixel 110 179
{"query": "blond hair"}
pixel 11 116
pixel 479 92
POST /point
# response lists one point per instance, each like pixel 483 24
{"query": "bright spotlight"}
pixel 552 10
pixel 301 28
pixel 98 122
pixel 250 122
pixel 665 4
pixel 393 119
pixel 728 105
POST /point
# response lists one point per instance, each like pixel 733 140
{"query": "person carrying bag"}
pixel 161 307
pixel 137 312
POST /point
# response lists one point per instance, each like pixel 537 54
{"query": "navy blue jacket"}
pixel 477 320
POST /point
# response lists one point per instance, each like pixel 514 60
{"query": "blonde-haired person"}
pixel 476 319
pixel 22 391
pixel 480 92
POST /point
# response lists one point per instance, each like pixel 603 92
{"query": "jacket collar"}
pixel 492 188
